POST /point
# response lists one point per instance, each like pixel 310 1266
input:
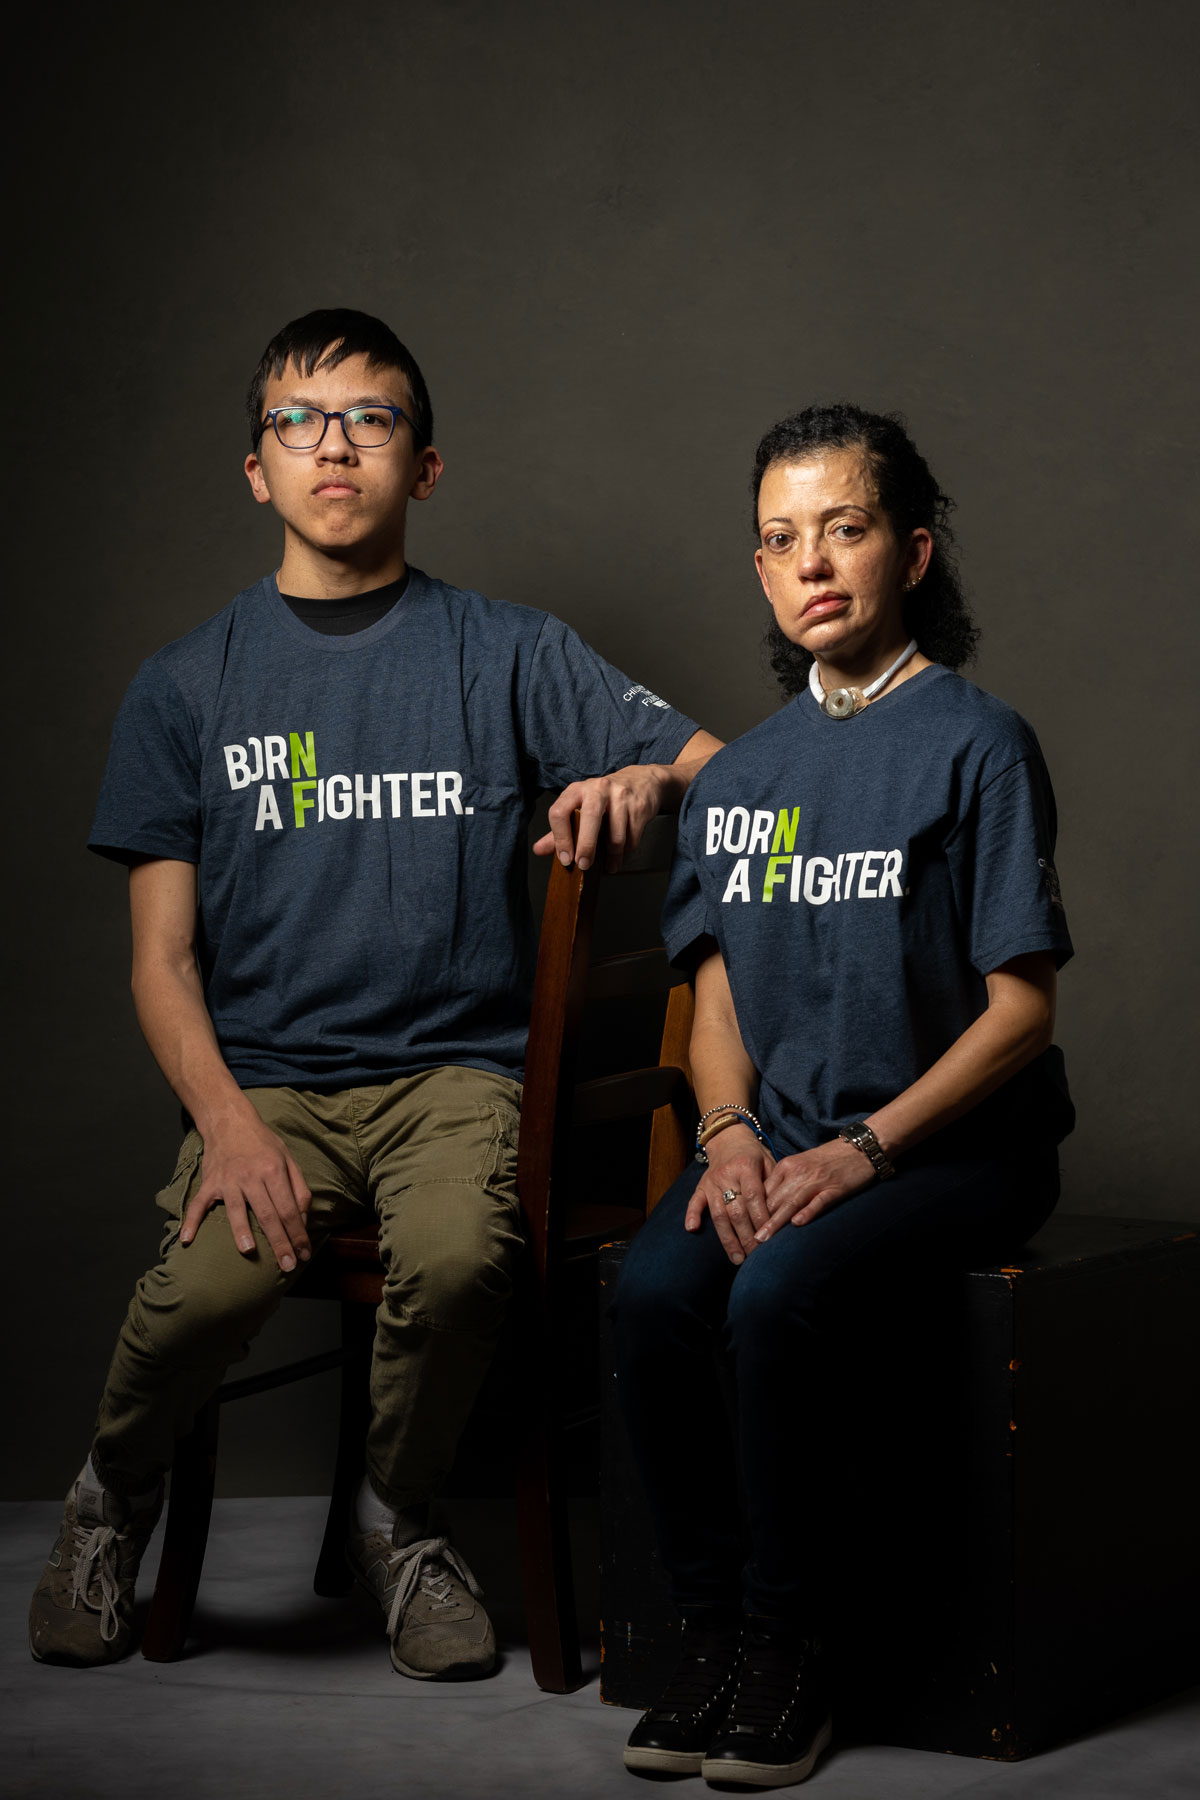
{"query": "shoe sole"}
pixel 751 1774
pixel 63 1658
pixel 663 1762
pixel 456 1671
pixel 56 1659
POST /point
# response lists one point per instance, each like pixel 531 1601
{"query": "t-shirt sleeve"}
pixel 1002 866
pixel 685 915
pixel 149 801
pixel 582 717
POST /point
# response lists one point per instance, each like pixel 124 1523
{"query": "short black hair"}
pixel 322 340
pixel 936 613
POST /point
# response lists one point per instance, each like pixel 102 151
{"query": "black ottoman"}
pixel 1011 1525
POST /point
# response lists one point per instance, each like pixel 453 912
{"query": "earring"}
pixel 910 585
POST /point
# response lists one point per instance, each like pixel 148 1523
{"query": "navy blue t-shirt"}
pixel 357 808
pixel 861 878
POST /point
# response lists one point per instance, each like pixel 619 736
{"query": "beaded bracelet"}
pixel 727 1117
pixel 736 1112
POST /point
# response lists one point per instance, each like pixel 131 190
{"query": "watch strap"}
pixel 859 1133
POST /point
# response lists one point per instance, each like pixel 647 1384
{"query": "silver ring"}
pixel 728 1195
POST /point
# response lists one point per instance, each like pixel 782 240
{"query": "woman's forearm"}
pixel 721 1069
pixel 1017 1025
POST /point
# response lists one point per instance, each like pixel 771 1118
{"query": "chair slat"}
pixel 637 973
pixel 630 1095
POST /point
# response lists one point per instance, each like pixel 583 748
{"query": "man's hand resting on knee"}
pixel 245 1165
pixel 249 1169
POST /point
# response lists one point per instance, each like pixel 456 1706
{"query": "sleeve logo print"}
pixel 1050 877
pixel 648 699
pixel 311 798
pixel 850 875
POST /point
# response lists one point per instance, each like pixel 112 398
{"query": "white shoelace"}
pixel 413 1565
pixel 94 1551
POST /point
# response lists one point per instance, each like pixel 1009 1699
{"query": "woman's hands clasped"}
pixel 733 1190
pixel 749 1196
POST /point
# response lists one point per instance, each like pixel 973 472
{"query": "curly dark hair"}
pixel 936 613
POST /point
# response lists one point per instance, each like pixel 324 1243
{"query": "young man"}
pixel 322 796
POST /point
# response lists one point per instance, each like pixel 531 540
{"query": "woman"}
pixel 865 890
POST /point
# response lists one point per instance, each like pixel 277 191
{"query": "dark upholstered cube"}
pixel 1010 1520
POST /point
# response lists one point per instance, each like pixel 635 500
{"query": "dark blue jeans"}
pixel 681 1308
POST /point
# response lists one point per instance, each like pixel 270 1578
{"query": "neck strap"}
pixel 843 703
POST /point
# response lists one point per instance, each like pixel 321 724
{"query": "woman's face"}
pixel 829 561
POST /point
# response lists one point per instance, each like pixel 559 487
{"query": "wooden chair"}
pixel 564 1236
pixel 566 1231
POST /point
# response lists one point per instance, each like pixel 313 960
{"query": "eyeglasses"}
pixel 303 427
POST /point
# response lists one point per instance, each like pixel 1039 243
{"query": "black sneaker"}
pixel 671 1739
pixel 778 1722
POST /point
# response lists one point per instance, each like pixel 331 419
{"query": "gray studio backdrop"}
pixel 622 239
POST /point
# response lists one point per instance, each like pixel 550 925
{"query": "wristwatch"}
pixel 859 1133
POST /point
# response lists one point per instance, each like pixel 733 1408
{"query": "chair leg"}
pixel 189 1509
pixel 546 1573
pixel 333 1579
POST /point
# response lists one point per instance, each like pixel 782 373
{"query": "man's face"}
pixel 337 498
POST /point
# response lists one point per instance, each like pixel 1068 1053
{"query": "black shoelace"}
pixel 699 1677
pixel 766 1687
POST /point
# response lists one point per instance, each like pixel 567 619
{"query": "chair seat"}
pixel 347 1269
pixel 609 1223
pixel 360 1243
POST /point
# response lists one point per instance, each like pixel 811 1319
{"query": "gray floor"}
pixel 290 1695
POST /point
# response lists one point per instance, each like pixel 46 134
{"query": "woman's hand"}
pixel 733 1190
pixel 802 1187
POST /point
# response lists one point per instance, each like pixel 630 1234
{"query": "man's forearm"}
pixel 246 1166
pixel 679 775
pixel 175 1023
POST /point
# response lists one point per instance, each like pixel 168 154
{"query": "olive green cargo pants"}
pixel 433 1156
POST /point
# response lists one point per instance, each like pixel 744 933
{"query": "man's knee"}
pixel 206 1297
pixel 449 1263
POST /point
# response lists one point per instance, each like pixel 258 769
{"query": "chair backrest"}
pixel 557 1104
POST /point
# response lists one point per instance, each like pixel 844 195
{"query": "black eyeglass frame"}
pixel 397 412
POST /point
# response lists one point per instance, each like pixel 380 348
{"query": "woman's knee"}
pixel 670 1282
pixel 780 1290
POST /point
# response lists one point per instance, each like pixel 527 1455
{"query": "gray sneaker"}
pixel 82 1609
pixel 436 1626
